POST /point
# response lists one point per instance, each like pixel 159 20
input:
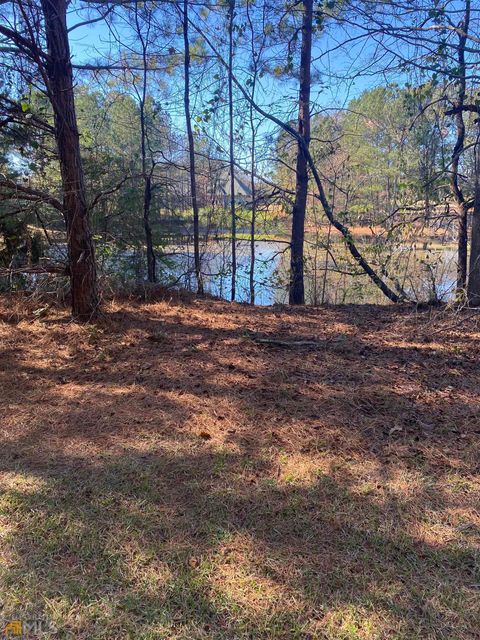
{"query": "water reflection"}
pixel 425 274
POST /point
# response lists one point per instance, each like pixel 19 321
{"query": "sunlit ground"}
pixel 165 475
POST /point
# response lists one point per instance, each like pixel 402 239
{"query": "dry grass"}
pixel 163 475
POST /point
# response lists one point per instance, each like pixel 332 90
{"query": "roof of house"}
pixel 241 183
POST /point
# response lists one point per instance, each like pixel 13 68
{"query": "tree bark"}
pixel 147 174
pixel 191 154
pixel 253 213
pixel 253 220
pixel 457 192
pixel 297 286
pixel 473 291
pixel 147 201
pixel 81 252
pixel 233 215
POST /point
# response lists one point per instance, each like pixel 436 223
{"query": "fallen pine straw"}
pixel 164 477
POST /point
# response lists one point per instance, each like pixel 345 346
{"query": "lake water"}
pixel 423 273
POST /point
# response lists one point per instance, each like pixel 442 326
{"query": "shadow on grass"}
pixel 120 518
pixel 187 546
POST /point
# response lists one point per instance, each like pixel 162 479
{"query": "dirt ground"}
pixel 166 473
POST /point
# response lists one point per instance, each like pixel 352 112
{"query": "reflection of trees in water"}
pixel 425 274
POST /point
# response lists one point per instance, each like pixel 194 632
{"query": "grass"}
pixel 206 486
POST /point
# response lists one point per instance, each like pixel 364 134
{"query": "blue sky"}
pixel 278 96
pixel 91 41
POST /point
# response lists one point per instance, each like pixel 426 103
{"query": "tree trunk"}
pixel 462 249
pixel 147 201
pixel 233 214
pixel 81 252
pixel 253 213
pixel 297 287
pixel 474 275
pixel 456 155
pixel 252 162
pixel 146 173
pixel 191 153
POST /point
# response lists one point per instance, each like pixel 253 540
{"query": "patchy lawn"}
pixel 166 475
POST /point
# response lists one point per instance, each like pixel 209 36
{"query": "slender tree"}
pixel 143 29
pixel 457 191
pixel 255 53
pixel 473 291
pixel 233 214
pixel 297 287
pixel 191 151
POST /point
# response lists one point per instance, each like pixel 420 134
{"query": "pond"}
pixel 424 273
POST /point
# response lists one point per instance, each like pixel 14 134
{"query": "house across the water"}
pixel 242 188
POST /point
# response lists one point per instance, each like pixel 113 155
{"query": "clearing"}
pixel 169 473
